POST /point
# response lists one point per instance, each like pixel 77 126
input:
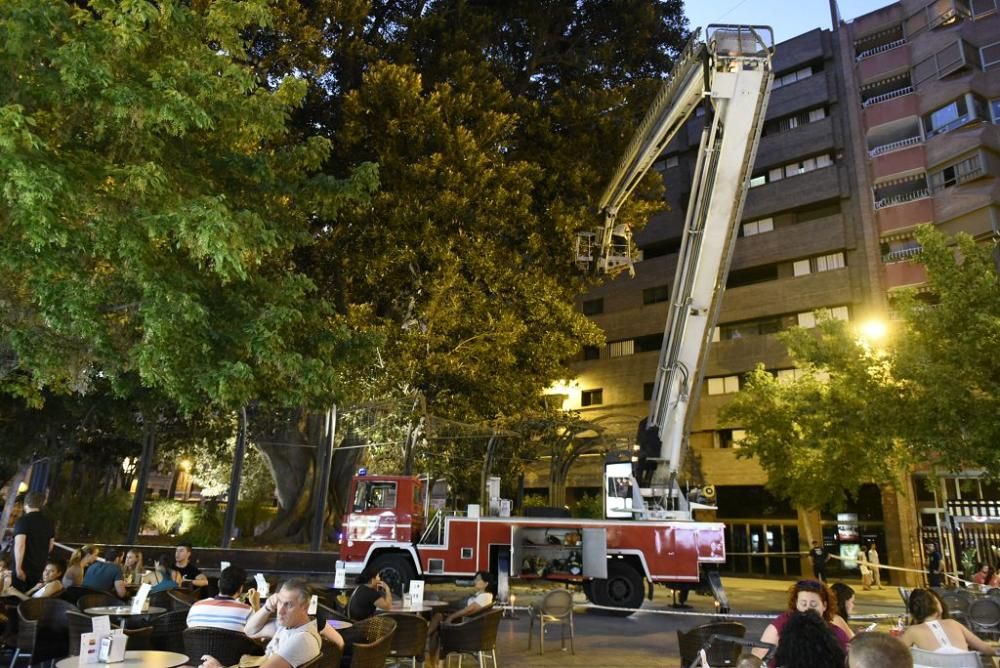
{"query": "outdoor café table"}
pixel 123 611
pixel 428 606
pixel 338 624
pixel 136 658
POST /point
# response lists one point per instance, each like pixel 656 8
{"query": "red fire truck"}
pixel 729 77
pixel 617 562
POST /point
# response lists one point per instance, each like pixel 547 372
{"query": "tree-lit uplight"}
pixel 873 331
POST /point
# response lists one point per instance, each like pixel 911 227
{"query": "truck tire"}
pixel 395 569
pixel 622 589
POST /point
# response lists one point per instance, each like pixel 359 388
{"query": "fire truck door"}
pixel 595 553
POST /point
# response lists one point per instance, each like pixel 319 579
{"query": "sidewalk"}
pixel 649 637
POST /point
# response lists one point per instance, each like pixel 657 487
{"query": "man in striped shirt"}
pixel 225 610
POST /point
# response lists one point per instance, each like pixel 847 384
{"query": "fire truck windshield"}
pixel 370 494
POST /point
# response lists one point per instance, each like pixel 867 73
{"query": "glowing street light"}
pixel 873 330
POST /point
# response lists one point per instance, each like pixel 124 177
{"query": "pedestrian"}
pixel 34 536
pixel 873 563
pixel 819 556
pixel 866 570
pixel 935 566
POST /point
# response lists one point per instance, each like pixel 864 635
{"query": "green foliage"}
pixel 534 501
pixel 865 411
pixel 206 527
pixel 152 199
pixel 170 517
pixel 590 506
pixel 90 517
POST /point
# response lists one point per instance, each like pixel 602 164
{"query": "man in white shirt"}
pixel 294 637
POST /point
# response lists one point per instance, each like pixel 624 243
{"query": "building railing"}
pixel 899 255
pixel 899 92
pixel 880 49
pixel 895 146
pixel 896 200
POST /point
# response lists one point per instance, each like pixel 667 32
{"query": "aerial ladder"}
pixel 729 72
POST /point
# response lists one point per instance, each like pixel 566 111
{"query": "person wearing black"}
pixel 188 571
pixel 819 557
pixel 34 536
pixel 935 576
pixel 371 595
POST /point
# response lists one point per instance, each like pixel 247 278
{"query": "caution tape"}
pixel 697 613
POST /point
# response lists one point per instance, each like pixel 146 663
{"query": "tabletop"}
pixel 398 606
pixel 123 610
pixel 135 658
pixel 338 624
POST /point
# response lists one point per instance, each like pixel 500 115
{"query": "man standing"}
pixel 935 566
pixel 188 571
pixel 873 561
pixel 34 536
pixel 106 575
pixel 223 611
pixel 818 556
pixel 294 637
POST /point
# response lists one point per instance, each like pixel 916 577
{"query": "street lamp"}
pixel 873 331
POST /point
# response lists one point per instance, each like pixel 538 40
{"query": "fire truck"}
pixel 389 525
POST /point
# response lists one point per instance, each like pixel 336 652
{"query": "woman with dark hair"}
pixel 845 606
pixel 482 599
pixel 163 577
pixel 805 596
pixel 371 595
pixel 933 632
pixel 807 641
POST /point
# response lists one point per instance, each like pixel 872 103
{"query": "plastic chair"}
pixel 168 630
pixel 410 639
pixel 925 659
pixel 476 635
pixel 42 632
pixel 555 608
pixel 225 645
pixel 691 641
pixel 96 600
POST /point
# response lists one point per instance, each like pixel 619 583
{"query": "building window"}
pixel 622 348
pixel 671 162
pixel 948 60
pixel 758 181
pixel 981 8
pixel 786 376
pixel 655 294
pixel 952 175
pixel 807 320
pixel 995 110
pixel 830 262
pixel 647 391
pixel 593 306
pixel 792 77
pixel 723 385
pixel 955 114
pixel 730 438
pixel 990 55
pixel 591 352
pixel 648 343
pixel 592 397
pixel 801 267
pixel 758 227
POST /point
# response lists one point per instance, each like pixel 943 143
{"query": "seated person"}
pixel 482 599
pixel 294 637
pixel 807 641
pixel 79 561
pixel 189 573
pixel 930 631
pixel 106 575
pixel 224 611
pixel 50 585
pixel 133 567
pixel 371 595
pixel 6 575
pixel 878 650
pixel 805 596
pixel 163 577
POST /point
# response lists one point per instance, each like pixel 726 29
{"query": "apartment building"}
pixel 872 128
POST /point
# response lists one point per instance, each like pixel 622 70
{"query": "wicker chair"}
pixel 476 635
pixel 78 624
pixel 139 639
pixel 374 628
pixel 181 600
pixel 719 654
pixel 168 631
pixel 226 646
pixel 42 632
pixel 410 639
pixel 73 594
pixel 374 653
pixel 330 655
pixel 555 608
pixel 95 600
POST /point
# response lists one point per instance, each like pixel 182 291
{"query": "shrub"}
pixel 89 518
pixel 534 501
pixel 170 517
pixel 588 506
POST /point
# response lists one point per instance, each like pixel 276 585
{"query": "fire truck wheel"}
pixel 622 589
pixel 395 570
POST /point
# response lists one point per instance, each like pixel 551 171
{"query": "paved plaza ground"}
pixel 649 638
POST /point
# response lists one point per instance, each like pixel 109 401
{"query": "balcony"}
pixel 893 108
pixel 889 61
pixel 905 215
pixel 867 100
pixel 901 255
pixel 904 274
pixel 903 159
pixel 897 145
